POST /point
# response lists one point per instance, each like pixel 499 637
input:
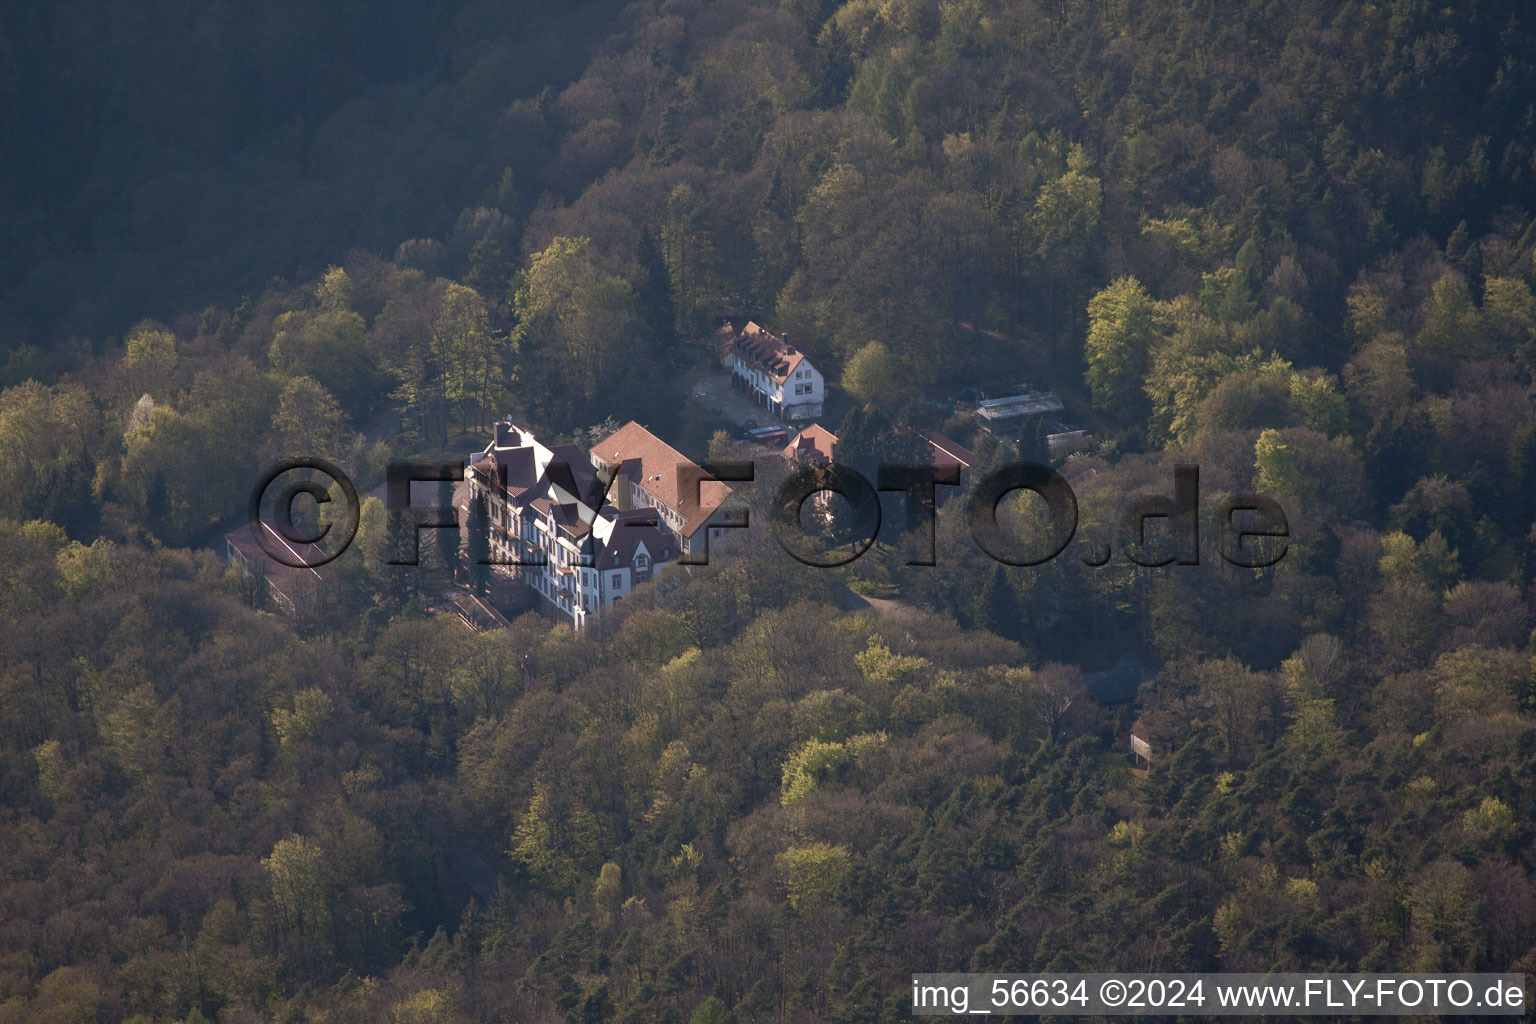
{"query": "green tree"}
pixel 711 1011
pixel 572 338
pixel 487 673
pixel 812 873
pixel 555 840
pixel 1121 330
pixel 1226 296
pixel 654 300
pixel 1509 309
pixel 503 195
pixel 427 344
pixel 478 544
pixel 374 537
pixel 471 354
pixel 870 376
pixel 1068 208
pixel 298 875
pixel 608 893
pixel 833 67
pixel 335 291
pixel 328 345
pixel 996 608
pixel 690 255
pixel 46 440
pixel 1452 329
pixel 150 359
pixel 161 475
pixel 306 719
pixel 309 423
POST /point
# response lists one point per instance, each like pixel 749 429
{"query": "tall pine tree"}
pixel 653 295
pixel 997 607
pixel 447 538
pixel 480 544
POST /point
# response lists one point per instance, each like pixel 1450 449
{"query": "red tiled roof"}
pixel 815 443
pixel 952 451
pixel 725 339
pixel 768 352
pixel 625 539
pixel 654 465
pixel 294 581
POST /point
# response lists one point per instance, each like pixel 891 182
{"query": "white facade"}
pixel 777 375
pixel 651 474
pixel 798 396
pixel 570 549
pixel 574 584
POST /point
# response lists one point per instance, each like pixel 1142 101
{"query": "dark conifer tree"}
pixel 833 68
pixel 447 539
pixel 997 607
pixel 479 544
pixel 157 506
pixel 1032 446
pixel 490 269
pixel 70 502
pixel 653 295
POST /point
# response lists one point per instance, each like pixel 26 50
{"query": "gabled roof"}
pixel 653 464
pixel 628 534
pixel 568 517
pixel 558 482
pixel 948 452
pixel 569 470
pixel 294 581
pixel 769 353
pixel 814 444
pixel 516 469
pixel 725 338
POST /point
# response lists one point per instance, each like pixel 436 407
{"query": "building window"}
pixel 618 581
pixel 642 563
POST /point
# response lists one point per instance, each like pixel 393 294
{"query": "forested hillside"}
pixel 1293 244
pixel 163 155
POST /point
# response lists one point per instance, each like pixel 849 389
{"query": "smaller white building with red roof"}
pixel 815 445
pixel 780 376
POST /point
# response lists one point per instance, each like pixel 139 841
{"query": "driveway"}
pixel 712 389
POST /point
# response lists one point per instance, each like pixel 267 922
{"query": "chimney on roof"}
pixel 503 428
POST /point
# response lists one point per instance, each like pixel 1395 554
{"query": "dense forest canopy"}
pixel 1293 244
pixel 165 155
